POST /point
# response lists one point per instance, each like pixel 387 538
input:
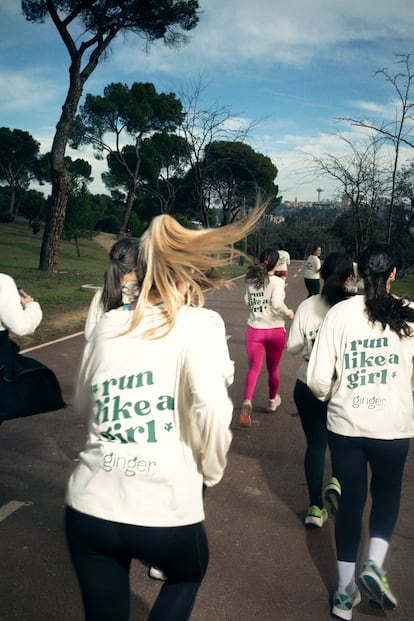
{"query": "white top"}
pixel 365 372
pixel 159 416
pixel 267 307
pixel 283 262
pixel 304 328
pixel 312 267
pixel 95 312
pixel 19 319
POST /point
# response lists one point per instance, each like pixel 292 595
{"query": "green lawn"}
pixel 404 286
pixel 64 302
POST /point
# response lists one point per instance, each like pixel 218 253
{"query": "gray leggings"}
pixel 350 459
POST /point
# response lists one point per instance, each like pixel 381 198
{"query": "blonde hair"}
pixel 171 255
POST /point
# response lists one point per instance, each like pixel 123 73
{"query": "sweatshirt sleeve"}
pixel 207 363
pixel 94 313
pixel 296 340
pixel 19 319
pixel 321 372
pixel 278 296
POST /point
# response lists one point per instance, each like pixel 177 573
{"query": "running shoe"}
pixel 274 403
pixel 344 603
pixel 156 574
pixel 246 414
pixel 375 582
pixel 316 516
pixel 332 495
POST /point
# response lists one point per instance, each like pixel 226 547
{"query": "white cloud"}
pixel 240 32
pixel 25 90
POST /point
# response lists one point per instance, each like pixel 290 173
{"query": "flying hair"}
pixel 177 263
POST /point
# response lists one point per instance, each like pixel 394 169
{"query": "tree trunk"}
pixel 132 190
pixel 55 220
pixel 128 209
pixel 52 234
pixel 77 246
pixel 12 202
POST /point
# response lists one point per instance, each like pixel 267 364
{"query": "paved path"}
pixel 264 564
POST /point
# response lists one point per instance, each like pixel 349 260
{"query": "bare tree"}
pixel 363 180
pixel 202 126
pixel 405 195
pixel 399 131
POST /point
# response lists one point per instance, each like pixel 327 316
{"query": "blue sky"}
pixel 293 67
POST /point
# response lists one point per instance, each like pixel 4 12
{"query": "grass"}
pixel 63 301
pixel 404 287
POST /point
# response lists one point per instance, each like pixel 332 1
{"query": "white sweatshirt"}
pixel 284 260
pixel 267 306
pixel 312 267
pixel 95 312
pixel 304 328
pixel 19 319
pixel 159 416
pixel 365 372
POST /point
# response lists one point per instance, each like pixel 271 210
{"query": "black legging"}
pixel 102 551
pixel 312 413
pixel 313 285
pixel 351 457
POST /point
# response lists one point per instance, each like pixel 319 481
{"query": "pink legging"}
pixel 258 341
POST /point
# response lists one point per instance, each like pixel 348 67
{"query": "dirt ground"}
pixel 106 240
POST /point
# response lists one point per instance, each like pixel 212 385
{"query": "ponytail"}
pixel 335 271
pixel 376 264
pixel 258 273
pixel 122 260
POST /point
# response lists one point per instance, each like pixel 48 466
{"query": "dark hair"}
pixel 122 260
pixel 314 248
pixel 375 265
pixel 257 273
pixel 336 268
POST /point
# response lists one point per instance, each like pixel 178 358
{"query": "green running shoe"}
pixel 332 493
pixel 316 516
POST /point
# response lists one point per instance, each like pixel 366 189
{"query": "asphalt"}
pixel 264 563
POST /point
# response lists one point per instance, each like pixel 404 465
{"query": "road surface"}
pixel 265 565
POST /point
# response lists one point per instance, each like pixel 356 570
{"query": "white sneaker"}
pixel 156 574
pixel 245 419
pixel 274 403
pixel 344 603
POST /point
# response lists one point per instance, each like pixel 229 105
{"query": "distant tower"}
pixel 319 191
